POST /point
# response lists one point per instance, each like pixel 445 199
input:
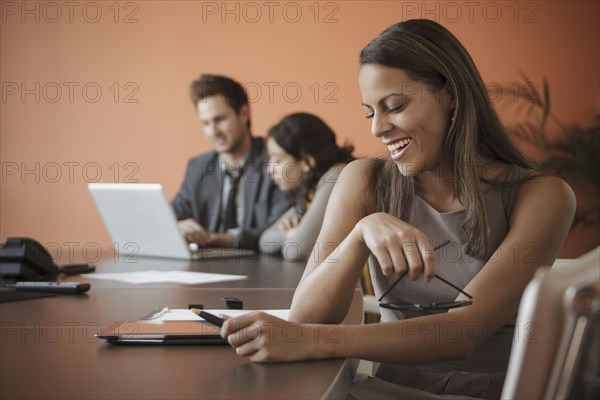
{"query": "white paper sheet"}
pixel 167 314
pixel 154 276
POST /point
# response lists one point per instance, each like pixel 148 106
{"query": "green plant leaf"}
pixel 573 154
pixel 545 110
pixel 531 89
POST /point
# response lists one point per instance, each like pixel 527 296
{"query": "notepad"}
pixel 167 314
pixel 154 276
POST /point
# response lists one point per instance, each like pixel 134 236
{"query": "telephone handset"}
pixel 25 258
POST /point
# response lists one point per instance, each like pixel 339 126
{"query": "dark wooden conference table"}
pixel 48 349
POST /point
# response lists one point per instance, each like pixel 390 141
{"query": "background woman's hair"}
pixel 304 134
pixel 428 53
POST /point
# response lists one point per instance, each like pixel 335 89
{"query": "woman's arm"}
pixel 541 219
pixel 351 231
pixel 340 260
pixel 301 239
pixel 271 240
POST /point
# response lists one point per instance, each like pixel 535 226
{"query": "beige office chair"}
pixel 555 354
pixel 372 314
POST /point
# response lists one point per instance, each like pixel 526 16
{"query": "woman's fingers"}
pixel 285 224
pixel 399 260
pixel 384 259
pixel 398 246
pixel 288 223
pixel 294 221
pixel 245 335
pixel 413 259
pixel 247 349
pixel 428 255
pixel 265 338
pixel 253 327
pixel 234 324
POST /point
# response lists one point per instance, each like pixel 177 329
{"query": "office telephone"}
pixel 23 258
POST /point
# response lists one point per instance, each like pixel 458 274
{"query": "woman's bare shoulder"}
pixel 356 183
pixel 363 168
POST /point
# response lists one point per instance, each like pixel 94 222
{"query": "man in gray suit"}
pixel 227 197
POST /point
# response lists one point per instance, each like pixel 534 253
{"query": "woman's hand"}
pixel 265 338
pixel 399 247
pixel 287 224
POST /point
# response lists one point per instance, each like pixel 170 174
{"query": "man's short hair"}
pixel 216 85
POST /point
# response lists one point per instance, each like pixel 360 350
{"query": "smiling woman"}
pixel 437 98
pixel 392 98
pixel 452 174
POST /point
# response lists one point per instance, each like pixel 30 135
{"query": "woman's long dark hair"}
pixel 428 53
pixel 304 134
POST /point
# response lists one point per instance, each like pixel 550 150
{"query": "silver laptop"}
pixel 140 220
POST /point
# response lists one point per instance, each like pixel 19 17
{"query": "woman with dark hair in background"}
pixel 452 176
pixel 304 159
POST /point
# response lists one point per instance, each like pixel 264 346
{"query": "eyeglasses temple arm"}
pixel 391 287
pixel 439 246
pixel 454 286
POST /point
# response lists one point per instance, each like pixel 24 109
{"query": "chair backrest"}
pixel 555 347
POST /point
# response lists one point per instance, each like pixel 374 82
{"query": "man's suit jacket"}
pixel 200 194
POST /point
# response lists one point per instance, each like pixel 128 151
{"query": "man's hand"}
pixel 193 231
pixel 220 240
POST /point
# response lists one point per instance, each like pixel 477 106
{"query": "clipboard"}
pixel 162 333
pixel 163 326
pixel 172 327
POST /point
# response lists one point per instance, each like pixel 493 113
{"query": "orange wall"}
pixel 144 54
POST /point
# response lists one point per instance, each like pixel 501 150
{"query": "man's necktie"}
pixel 231 210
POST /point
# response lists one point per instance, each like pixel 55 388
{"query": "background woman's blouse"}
pixel 297 244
